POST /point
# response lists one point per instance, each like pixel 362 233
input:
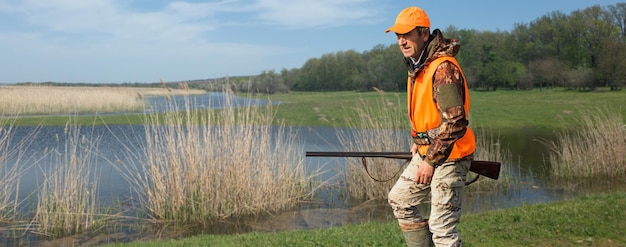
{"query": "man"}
pixel 438 103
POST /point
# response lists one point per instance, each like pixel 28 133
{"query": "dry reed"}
pixel 488 147
pixel 11 155
pixel 382 127
pixel 28 100
pixel 595 147
pixel 377 128
pixel 199 166
pixel 67 197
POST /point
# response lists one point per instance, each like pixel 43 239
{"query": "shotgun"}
pixel 490 169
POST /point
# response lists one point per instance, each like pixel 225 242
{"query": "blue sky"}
pixel 115 41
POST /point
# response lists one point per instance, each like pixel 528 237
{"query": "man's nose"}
pixel 401 40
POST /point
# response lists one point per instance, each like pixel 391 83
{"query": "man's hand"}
pixel 424 173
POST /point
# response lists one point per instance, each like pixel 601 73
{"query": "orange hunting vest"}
pixel 423 111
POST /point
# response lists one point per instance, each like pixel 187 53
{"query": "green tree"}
pixel 547 72
pixel 611 66
pixel 386 69
pixel 617 15
pixel 554 50
pixel 270 82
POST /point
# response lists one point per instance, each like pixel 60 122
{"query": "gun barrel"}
pixel 490 169
pixel 403 155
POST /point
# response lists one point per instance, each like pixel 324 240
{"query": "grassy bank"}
pixel 586 221
pixel 500 109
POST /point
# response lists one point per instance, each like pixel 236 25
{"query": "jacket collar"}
pixel 437 46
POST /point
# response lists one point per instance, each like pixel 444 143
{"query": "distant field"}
pixel 501 109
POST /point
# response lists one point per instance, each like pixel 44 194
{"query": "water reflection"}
pixel 211 100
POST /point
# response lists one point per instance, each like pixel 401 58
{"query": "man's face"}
pixel 411 43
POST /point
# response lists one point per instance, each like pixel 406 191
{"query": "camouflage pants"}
pixel 445 194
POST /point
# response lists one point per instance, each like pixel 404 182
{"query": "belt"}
pixel 421 138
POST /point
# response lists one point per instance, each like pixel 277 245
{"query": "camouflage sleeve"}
pixel 448 94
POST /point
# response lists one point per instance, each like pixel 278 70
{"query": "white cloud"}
pixel 73 32
pixel 315 13
pixel 110 20
pixel 180 19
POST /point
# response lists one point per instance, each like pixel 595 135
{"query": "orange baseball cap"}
pixel 408 19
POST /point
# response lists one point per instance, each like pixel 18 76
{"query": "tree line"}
pixel 583 50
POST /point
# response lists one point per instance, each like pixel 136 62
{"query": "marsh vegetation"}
pixel 594 147
pixel 200 166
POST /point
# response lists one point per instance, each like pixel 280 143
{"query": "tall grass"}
pixel 199 166
pixel 378 127
pixel 594 148
pixel 489 147
pixel 383 126
pixel 67 198
pixel 27 100
pixel 11 155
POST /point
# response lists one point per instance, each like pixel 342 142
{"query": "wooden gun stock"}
pixel 490 169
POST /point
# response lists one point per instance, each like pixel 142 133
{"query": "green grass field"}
pixel 500 109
